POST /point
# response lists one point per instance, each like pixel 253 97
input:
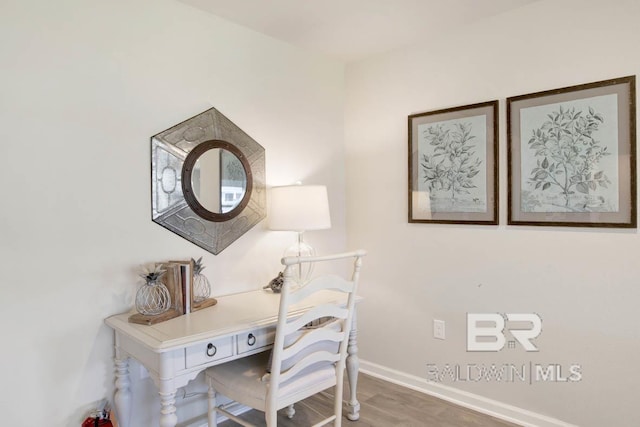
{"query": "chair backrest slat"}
pixel 311 337
pixel 315 358
pixel 331 282
pixel 317 312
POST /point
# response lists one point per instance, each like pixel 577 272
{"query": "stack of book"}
pixel 179 282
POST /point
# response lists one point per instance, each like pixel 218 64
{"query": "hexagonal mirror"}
pixel 207 180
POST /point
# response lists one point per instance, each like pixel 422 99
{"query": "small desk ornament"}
pixel 275 284
pixel 183 290
pixel 154 301
pixel 153 297
pixel 201 285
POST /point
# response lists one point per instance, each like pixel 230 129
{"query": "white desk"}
pixel 177 350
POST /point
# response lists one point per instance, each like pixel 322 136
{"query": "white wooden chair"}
pixel 305 359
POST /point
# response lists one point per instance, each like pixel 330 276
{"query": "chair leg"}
pixel 337 403
pixel 212 414
pixel 271 417
pixel 291 411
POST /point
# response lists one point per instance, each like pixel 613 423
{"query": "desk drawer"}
pixel 256 339
pixel 209 351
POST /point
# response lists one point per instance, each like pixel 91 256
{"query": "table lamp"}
pixel 300 208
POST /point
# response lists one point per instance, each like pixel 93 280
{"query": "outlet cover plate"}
pixel 438 329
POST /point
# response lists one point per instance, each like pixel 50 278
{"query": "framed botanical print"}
pixel 453 165
pixel 571 155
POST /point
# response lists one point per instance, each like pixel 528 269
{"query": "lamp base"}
pixel 301 249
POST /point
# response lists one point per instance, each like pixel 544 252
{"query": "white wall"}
pixel 83 86
pixel 583 282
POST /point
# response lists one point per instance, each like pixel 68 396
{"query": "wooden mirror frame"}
pixel 189 194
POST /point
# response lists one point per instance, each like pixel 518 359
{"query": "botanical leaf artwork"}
pixel 452 171
pixel 569 156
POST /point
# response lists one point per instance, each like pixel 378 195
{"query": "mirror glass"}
pixel 219 180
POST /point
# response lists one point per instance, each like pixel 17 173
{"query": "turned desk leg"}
pixel 353 364
pixel 122 397
pixel 168 417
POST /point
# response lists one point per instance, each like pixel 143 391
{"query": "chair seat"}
pixel 245 380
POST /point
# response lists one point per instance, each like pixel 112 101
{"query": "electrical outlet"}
pixel 438 329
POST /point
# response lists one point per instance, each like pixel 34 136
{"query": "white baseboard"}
pixel 462 398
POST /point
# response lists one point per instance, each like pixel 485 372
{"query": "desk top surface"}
pixel 232 314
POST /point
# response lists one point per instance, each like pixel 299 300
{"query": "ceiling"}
pixel 350 30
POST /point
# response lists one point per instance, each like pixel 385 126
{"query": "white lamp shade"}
pixel 299 208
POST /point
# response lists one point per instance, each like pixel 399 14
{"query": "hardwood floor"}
pixel 383 404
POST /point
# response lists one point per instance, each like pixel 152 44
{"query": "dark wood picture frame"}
pixel 453 165
pixel 572 156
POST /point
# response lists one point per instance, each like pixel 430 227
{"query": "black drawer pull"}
pixel 211 350
pixel 251 339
